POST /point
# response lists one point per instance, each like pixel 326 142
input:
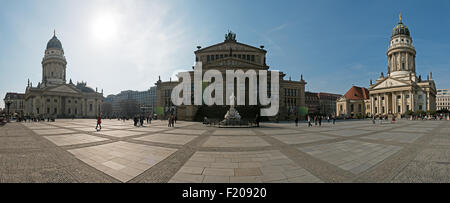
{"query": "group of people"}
pixel 29 118
pixel 317 120
pixel 172 121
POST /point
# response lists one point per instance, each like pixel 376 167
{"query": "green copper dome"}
pixel 54 43
pixel 400 28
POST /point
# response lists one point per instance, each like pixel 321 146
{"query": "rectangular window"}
pixel 253 57
pixel 90 107
pixel 407 107
pixel 399 110
pixel 207 58
pixel 407 96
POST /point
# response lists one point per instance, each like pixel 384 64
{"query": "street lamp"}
pixel 8 103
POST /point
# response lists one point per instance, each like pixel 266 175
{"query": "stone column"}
pixel 379 104
pixel 394 103
pixel 403 102
pixel 407 62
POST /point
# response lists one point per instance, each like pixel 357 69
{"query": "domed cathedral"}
pixel 233 55
pixel 402 90
pixel 53 97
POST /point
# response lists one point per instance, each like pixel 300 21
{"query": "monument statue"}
pixel 232 114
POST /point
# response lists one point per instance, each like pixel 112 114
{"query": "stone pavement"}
pixel 350 151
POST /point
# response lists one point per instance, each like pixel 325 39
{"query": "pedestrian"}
pixel 141 120
pixel 99 123
pixel 315 120
pixel 334 120
pixel 135 120
pixel 174 119
pixel 309 121
pixel 150 119
pixel 170 121
pixel 257 120
pixel 320 120
pixel 373 120
pixel 296 121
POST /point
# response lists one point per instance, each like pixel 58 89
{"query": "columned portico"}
pixel 401 90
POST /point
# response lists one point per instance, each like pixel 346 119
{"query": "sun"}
pixel 105 26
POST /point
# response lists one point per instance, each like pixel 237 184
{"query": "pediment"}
pixel 226 46
pixel 64 89
pixel 388 83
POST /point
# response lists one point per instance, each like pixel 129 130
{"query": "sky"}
pixel 118 45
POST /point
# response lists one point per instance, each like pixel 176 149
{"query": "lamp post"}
pixel 8 103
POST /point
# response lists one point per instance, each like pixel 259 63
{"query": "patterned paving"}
pixel 122 160
pixel 352 155
pixel 241 167
pixel 73 139
pixel 350 151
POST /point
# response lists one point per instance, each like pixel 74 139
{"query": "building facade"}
pixel 443 99
pixel 146 101
pixel 321 103
pixel 354 104
pixel 16 103
pixel 232 55
pixel 402 90
pixel 53 96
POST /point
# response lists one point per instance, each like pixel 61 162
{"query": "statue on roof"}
pixel 230 36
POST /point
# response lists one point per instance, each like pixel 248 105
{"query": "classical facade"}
pixel 14 103
pixel 233 55
pixel 443 99
pixel 53 96
pixel 401 90
pixel 354 104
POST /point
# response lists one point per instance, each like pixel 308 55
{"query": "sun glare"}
pixel 105 27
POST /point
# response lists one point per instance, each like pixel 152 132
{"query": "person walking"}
pixel 373 120
pixel 296 121
pixel 174 119
pixel 315 120
pixel 135 120
pixel 99 123
pixel 320 121
pixel 309 121
pixel 170 121
pixel 257 120
pixel 334 120
pixel 141 120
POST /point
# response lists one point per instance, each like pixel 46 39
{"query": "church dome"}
pixel 400 29
pixel 54 43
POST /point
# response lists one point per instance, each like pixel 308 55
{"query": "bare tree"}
pixel 107 109
pixel 129 107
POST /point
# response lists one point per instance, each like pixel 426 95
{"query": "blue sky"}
pixel 118 45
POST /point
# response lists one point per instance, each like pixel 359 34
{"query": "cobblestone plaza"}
pixel 350 151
